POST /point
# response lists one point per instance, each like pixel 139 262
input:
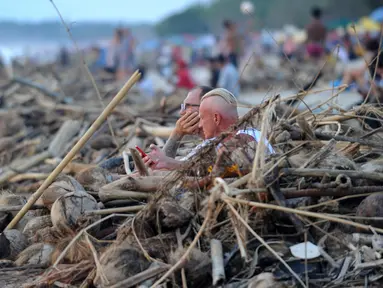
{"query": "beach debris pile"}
pixel 307 215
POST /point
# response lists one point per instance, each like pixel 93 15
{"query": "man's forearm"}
pixel 175 164
pixel 171 146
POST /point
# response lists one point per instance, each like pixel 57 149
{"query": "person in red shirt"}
pixel 184 79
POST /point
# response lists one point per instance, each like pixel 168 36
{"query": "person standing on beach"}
pixel 231 45
pixel 316 35
pixel 228 75
pixel 112 54
pixel 125 54
pixel 214 71
pixel 183 77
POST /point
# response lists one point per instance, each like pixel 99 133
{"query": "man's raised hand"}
pixel 187 124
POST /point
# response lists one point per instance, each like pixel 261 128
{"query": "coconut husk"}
pixel 158 247
pixel 171 215
pixel 36 224
pixel 9 199
pixel 52 235
pixel 62 185
pixel 10 124
pixel 4 263
pixel 119 262
pixel 371 206
pixel 12 242
pixel 94 178
pixel 188 201
pixel 264 280
pixel 197 267
pixel 36 254
pixel 69 210
pixel 6 143
pixel 5 219
pixel 101 142
pixel 77 252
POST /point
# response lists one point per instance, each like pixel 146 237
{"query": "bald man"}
pixel 188 122
pixel 218 111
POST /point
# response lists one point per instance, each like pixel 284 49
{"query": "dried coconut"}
pixel 69 210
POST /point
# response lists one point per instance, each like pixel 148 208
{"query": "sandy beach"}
pixel 254 97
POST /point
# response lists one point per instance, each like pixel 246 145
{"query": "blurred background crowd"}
pixel 238 45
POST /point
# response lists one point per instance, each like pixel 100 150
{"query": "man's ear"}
pixel 217 119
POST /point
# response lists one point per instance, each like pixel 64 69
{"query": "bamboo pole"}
pixel 92 129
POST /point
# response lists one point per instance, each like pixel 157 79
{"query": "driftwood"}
pixel 217 262
pixel 39 87
pixel 333 173
pixel 325 136
pixel 128 209
pixel 129 183
pixel 157 131
pixel 75 149
pixel 172 216
pixel 9 208
pixel 139 163
pixel 115 194
pixel 65 134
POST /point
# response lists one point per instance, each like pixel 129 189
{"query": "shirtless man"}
pixel 316 35
pixel 231 45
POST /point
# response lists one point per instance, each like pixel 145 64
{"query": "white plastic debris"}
pixel 299 250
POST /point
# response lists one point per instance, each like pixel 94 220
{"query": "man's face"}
pixel 207 123
pixel 191 102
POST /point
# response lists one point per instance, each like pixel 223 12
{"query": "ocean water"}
pixel 41 51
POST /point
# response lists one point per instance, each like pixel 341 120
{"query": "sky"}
pixel 92 10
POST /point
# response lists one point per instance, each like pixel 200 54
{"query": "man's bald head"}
pixel 218 111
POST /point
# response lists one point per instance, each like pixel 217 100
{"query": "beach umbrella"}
pixel 377 15
pixel 363 25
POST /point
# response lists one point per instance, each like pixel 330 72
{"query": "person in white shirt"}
pixel 228 75
pixel 145 85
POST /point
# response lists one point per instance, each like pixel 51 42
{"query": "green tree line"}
pixel 268 13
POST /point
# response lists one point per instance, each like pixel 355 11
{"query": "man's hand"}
pixel 187 124
pixel 157 160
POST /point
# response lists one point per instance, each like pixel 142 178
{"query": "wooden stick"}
pixel 36 86
pixel 159 131
pixel 325 136
pixel 217 262
pixel 29 176
pixel 320 155
pixel 138 162
pixel 141 277
pixel 117 194
pixel 301 212
pixel 129 183
pixel 18 208
pixel 321 172
pixel 335 192
pixel 75 149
